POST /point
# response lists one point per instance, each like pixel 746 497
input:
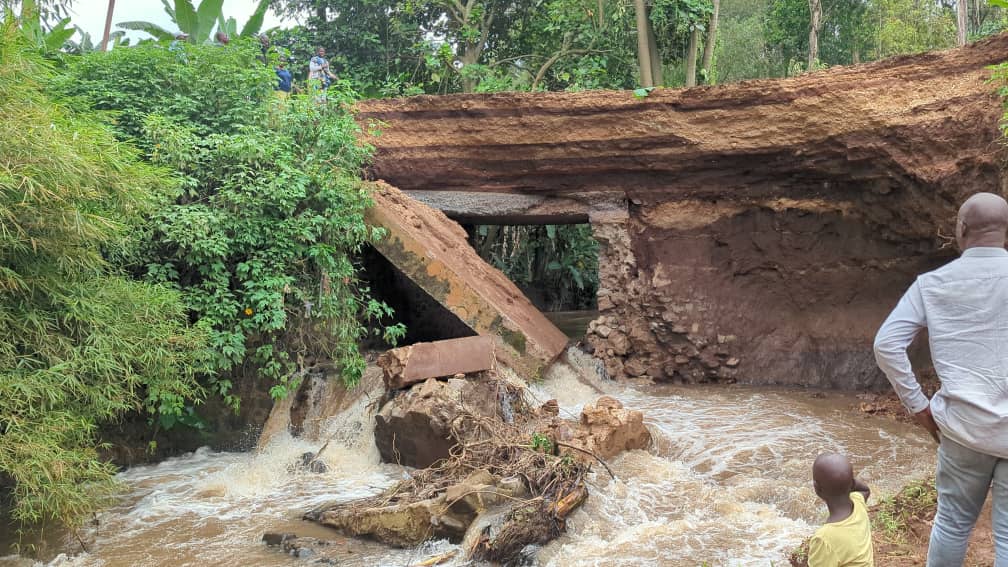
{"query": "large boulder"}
pixel 605 430
pixel 420 426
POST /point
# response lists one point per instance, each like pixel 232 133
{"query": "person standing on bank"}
pixel 319 73
pixel 284 80
pixel 964 307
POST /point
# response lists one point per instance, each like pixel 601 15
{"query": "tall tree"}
pixel 709 43
pixel 654 54
pixel 108 25
pixel 961 22
pixel 815 11
pixel 643 44
pixel 691 55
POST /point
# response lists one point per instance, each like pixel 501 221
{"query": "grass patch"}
pixel 897 522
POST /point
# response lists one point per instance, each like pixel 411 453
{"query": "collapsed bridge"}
pixel 758 231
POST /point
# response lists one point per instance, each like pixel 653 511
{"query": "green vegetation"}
pixel 31 25
pixel 196 233
pixel 198 22
pixel 999 77
pixel 541 444
pixel 402 47
pixel 894 517
pixel 556 264
pixel 80 343
pixel 270 213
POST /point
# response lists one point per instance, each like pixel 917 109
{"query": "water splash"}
pixel 727 482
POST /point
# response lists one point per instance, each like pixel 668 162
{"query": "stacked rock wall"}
pixel 759 295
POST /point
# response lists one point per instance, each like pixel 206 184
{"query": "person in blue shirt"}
pixel 284 79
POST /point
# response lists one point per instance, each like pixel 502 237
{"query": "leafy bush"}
pixel 558 261
pixel 210 89
pixel 80 343
pixel 262 239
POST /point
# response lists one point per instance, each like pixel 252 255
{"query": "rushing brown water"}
pixel 727 483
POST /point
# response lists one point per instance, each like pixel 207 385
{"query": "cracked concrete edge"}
pixel 432 251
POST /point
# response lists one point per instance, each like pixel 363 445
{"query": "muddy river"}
pixel 727 483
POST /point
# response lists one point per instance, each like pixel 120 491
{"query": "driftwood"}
pixel 437 559
pixel 533 523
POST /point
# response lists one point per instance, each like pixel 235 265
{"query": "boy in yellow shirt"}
pixel 845 539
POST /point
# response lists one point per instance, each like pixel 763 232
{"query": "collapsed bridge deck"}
pixel 756 231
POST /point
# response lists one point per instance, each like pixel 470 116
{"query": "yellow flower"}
pixel 248 311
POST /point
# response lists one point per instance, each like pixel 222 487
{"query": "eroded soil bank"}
pixel 757 231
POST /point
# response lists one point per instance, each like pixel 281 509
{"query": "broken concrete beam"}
pixel 513 208
pixel 408 365
pixel 434 252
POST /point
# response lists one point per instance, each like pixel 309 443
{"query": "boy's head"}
pixel 832 476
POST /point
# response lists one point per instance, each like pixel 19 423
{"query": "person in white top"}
pixel 318 70
pixel 964 307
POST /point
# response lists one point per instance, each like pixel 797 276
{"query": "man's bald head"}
pixel 982 221
pixel 832 475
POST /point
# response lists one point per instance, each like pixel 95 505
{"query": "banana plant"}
pixel 198 22
pixel 252 27
pixel 31 29
pixel 87 45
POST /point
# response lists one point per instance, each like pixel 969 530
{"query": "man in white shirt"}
pixel 964 306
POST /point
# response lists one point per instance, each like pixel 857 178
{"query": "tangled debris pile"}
pixel 497 467
pixel 499 474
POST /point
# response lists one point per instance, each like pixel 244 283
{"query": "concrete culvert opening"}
pixel 424 317
pixel 554 265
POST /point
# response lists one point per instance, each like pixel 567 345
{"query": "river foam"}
pixel 726 482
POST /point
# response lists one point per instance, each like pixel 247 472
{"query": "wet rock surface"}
pixel 316 551
pixel 605 430
pixel 447 515
pixel 421 425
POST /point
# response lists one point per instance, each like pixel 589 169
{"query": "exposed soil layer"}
pixel 912 121
pixel 769 226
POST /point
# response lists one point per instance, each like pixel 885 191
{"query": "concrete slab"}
pixel 411 364
pixel 515 208
pixel 433 251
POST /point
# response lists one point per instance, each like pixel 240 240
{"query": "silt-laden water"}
pixel 727 483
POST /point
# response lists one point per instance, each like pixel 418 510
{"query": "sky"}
pixel 89 15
